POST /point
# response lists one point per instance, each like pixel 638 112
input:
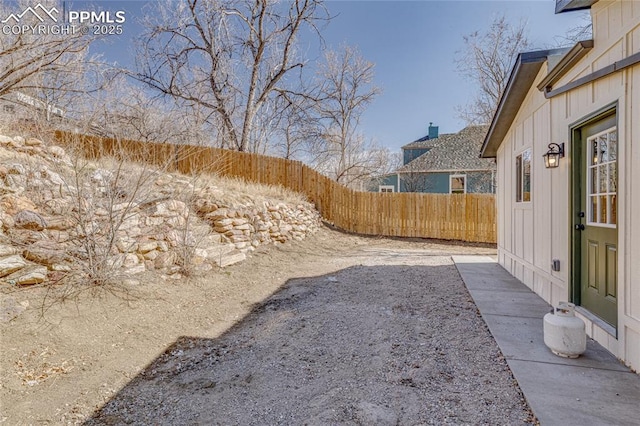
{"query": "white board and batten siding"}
pixel 532 234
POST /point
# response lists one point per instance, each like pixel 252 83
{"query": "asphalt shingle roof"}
pixel 452 151
pixel 423 142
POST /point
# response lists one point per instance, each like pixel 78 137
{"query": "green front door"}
pixel 598 217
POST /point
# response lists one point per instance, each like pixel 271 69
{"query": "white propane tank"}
pixel 564 333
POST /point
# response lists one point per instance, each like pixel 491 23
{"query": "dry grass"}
pixel 238 191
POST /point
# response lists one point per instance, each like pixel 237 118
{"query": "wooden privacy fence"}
pixel 463 217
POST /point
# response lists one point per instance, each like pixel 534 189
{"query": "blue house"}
pixel 444 164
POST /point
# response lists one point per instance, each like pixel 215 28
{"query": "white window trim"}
pixel 391 187
pixel 458 176
pixel 521 154
pixel 589 182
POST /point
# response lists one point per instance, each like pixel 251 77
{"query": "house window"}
pixel 385 188
pixel 457 184
pixel 602 178
pixel 523 177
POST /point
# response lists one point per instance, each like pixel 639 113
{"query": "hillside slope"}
pixel 65 219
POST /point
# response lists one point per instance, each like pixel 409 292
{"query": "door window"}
pixel 602 178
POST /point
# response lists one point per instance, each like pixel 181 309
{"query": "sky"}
pixel 413 45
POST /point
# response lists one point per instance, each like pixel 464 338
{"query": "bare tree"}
pixel 487 59
pixel 582 31
pixel 127 111
pixel 229 57
pixel 295 126
pixel 44 62
pixel 414 181
pixel 345 89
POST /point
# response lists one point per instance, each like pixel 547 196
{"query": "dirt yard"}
pixel 336 329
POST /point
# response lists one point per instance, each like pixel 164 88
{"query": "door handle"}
pixel 579 227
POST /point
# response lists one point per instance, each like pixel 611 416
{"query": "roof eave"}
pixel 567 62
pixel 522 76
pixel 570 5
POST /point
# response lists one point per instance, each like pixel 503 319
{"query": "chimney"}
pixel 433 131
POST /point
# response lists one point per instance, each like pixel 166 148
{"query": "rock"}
pixel 223 223
pixel 6 250
pixel 217 215
pixel 204 206
pixel 230 258
pixel 211 240
pixel 153 221
pixel 138 269
pixel 124 207
pixel 56 151
pixel 151 255
pixel 16 169
pixel 198 257
pixel 59 206
pixel 12 204
pixel 115 262
pixel 130 260
pixel 130 221
pixel 33 142
pixel 60 268
pixel 216 252
pixel 53 178
pixel 43 256
pixel 11 264
pixel 262 226
pixel 238 238
pixel 7 221
pixel 147 246
pixel 176 221
pixel 171 208
pixel 126 245
pixel 28 276
pixel 59 236
pixel 234 233
pixel 28 219
pixel 165 260
pixel 59 223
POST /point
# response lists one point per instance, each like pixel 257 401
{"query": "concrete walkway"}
pixel 594 389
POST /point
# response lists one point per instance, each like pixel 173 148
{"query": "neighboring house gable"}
pixel 451 164
pixel 421 146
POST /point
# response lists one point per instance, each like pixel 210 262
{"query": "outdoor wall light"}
pixel 553 156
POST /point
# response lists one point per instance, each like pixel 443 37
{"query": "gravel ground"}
pixel 373 344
